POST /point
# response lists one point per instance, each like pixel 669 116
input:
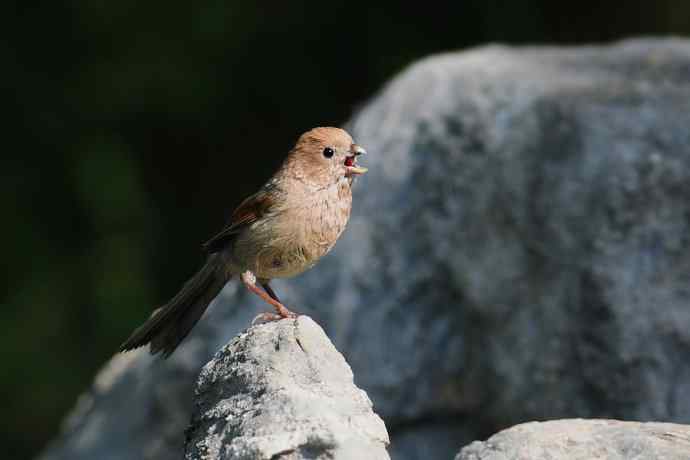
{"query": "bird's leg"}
pixel 249 280
pixel 267 287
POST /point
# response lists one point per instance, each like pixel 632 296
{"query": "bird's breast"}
pixel 298 235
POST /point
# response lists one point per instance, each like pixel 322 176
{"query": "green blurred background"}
pixel 132 129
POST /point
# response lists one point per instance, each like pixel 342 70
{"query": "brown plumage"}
pixel 280 231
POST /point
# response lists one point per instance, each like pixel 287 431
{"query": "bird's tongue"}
pixel 352 168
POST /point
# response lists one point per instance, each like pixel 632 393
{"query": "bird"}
pixel 282 230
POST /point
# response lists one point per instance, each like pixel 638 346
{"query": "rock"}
pixel 519 250
pixel 282 391
pixel 584 440
pixel 139 406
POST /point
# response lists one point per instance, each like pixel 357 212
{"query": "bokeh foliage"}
pixel 133 128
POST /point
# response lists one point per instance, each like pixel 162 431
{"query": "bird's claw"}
pixel 268 316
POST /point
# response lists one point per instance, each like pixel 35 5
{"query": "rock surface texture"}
pixel 584 440
pixel 519 250
pixel 282 391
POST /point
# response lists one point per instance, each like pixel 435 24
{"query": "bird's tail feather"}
pixel 170 324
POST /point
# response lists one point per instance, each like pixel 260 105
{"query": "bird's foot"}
pixel 270 297
pixel 283 312
pixel 268 316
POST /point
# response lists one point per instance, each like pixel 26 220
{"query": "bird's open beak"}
pixel 351 161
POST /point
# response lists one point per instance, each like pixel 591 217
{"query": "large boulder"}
pixel 282 391
pixel 519 250
pixel 584 440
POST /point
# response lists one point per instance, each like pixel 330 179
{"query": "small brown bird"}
pixel 280 231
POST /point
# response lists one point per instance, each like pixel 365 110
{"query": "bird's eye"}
pixel 328 152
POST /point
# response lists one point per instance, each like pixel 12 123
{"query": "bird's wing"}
pixel 248 212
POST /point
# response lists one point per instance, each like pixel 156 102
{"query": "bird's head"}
pixel 323 156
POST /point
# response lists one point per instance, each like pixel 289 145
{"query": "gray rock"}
pixel 139 406
pixel 519 250
pixel 282 391
pixel 584 440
